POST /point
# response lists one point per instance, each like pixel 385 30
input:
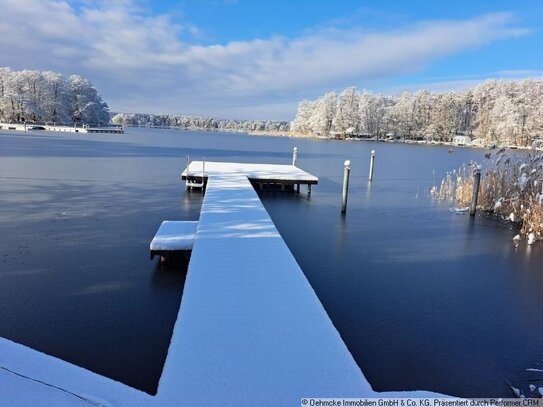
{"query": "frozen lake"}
pixel 423 298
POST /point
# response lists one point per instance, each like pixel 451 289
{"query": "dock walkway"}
pixel 251 330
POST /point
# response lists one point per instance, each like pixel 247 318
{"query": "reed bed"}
pixel 511 188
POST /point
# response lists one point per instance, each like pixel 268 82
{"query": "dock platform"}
pixel 263 176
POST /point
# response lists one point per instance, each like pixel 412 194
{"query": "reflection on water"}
pixel 424 298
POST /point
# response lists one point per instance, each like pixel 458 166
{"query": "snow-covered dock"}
pixel 70 129
pixel 263 175
pixel 250 330
pixel 173 236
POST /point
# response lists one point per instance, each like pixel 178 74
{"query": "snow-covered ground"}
pixel 250 329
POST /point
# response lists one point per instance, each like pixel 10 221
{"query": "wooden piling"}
pixel 346 173
pixel 294 156
pixel 475 194
pixel 372 161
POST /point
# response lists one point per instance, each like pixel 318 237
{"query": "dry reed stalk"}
pixel 511 187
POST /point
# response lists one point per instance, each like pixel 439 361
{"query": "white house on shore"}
pixel 460 140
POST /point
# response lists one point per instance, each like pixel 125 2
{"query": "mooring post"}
pixel 346 173
pixel 475 194
pixel 372 161
pixel 294 156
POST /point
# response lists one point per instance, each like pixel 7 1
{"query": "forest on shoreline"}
pixel 199 123
pixel 495 112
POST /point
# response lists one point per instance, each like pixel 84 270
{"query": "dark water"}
pixel 424 298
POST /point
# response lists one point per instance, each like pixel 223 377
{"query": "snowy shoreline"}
pixel 294 134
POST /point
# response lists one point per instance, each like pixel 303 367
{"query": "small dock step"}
pixel 173 236
pixel 195 179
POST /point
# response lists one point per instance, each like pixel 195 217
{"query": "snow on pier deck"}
pixel 257 173
pixel 250 330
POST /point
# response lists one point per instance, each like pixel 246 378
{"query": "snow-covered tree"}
pixel 346 119
pixel 85 105
pixel 422 113
pixel 496 112
pixel 320 122
pixel 301 123
pixel 36 96
pixel 371 112
pixel 400 117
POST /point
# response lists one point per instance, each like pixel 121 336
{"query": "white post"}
pixel 346 172
pixel 372 161
pixel 294 155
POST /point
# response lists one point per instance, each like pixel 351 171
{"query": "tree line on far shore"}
pixel 49 97
pixel 199 123
pixel 495 112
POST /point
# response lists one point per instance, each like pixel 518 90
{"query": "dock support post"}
pixel 372 161
pixel 475 194
pixel 294 156
pixel 297 188
pixel 309 189
pixel 346 173
pixel 203 174
pixel 187 181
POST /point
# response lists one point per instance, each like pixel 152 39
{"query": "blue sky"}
pixel 256 59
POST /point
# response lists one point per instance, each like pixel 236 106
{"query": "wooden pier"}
pixel 251 330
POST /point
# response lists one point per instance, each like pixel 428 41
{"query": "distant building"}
pixel 461 140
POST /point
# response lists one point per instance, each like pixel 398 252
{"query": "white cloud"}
pixel 140 62
pixel 463 83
